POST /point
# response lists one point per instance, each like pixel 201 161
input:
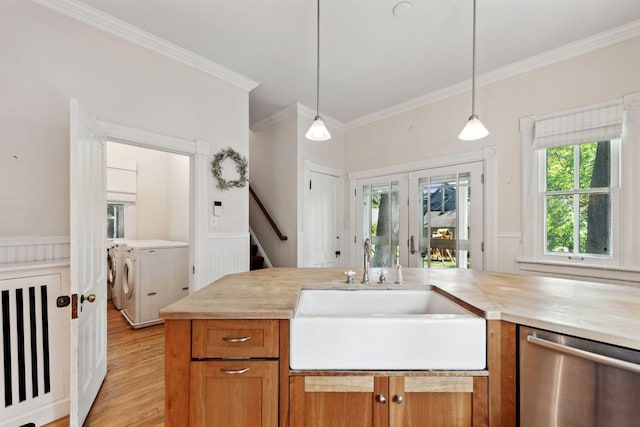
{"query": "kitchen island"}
pixel 261 303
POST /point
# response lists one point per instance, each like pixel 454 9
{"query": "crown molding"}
pixel 105 22
pixel 310 113
pixel 580 47
pixel 301 110
pixel 264 123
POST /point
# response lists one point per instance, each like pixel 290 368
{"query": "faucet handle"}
pixel 349 275
pixel 398 274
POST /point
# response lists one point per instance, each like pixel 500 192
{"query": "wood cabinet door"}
pixel 339 401
pixel 230 393
pixel 437 401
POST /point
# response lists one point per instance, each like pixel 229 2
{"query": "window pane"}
pixel 560 224
pixel 115 221
pixel 595 224
pixel 560 168
pixel 381 221
pixel 595 164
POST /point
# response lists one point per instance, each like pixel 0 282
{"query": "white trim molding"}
pixel 310 113
pixel 32 252
pixel 274 118
pixel 105 22
pixel 449 160
pixel 300 110
pixel 120 133
pixel 579 47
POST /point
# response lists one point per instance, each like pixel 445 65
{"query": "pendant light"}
pixel 474 128
pixel 318 130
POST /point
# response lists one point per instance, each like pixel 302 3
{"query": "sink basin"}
pixel 384 330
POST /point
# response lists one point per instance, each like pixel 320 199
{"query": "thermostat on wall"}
pixel 217 208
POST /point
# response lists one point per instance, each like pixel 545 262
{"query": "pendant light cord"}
pixel 473 64
pixel 318 61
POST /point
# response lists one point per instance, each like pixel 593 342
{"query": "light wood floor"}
pixel 133 392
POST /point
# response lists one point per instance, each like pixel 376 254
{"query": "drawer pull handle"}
pixel 234 372
pixel 241 339
pixel 380 398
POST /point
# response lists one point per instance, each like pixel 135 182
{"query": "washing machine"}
pixel 154 275
pixel 115 259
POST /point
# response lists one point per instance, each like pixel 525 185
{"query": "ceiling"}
pixel 370 59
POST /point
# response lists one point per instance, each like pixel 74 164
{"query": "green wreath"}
pixel 241 168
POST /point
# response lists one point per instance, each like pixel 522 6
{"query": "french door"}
pixel 428 219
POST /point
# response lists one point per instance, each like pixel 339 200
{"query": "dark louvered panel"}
pixel 22 383
pixel 34 341
pixel 45 340
pixel 26 346
pixel 6 341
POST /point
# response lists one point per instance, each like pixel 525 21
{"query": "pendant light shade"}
pixel 318 130
pixel 474 129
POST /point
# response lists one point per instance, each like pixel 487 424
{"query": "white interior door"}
pixel 88 338
pixel 322 234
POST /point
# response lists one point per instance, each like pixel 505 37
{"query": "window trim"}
pixel 625 199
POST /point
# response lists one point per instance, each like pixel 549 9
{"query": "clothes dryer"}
pixel 154 275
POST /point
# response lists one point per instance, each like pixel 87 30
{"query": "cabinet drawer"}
pixel 239 393
pixel 234 338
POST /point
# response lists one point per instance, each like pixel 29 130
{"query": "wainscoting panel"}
pixel 33 249
pixel 509 249
pixel 33 366
pixel 228 253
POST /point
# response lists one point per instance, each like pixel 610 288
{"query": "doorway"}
pixel 430 218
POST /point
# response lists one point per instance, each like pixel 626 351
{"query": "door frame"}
pixel 487 155
pixel 310 167
pixel 198 153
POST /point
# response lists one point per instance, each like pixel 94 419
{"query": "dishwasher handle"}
pixel 583 354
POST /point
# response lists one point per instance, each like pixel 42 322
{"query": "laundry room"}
pixel 148 213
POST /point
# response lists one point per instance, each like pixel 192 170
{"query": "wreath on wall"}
pixel 241 168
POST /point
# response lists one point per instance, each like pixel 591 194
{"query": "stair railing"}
pixel 266 214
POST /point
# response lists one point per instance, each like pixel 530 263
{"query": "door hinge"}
pixel 354 239
pixel 309 184
pixel 354 192
pixel 482 246
pixel 482 179
pixel 193 269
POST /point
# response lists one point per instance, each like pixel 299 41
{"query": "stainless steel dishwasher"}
pixel 567 381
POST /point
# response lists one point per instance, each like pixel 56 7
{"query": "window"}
pixel 115 221
pixel 579 200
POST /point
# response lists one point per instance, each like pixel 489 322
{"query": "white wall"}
pixel 162 202
pixel 431 131
pixel 273 176
pixel 48 58
pixel 178 200
pixel 278 153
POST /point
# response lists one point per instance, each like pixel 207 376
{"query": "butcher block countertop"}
pixel 601 312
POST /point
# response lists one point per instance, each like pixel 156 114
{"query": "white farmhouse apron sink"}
pixel 384 330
